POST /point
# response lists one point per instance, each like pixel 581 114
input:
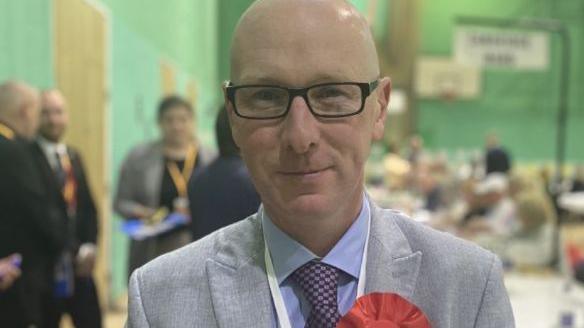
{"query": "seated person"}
pixel 494 219
pixel 532 243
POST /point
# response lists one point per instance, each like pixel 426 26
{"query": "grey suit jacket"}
pixel 220 280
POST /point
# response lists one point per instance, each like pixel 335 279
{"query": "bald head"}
pixel 19 107
pixel 285 37
pixel 52 98
pixel 308 167
pixel 54 115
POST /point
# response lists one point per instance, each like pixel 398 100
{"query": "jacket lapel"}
pixel 392 266
pixel 48 174
pixel 240 292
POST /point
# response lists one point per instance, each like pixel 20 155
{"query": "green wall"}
pixel 231 10
pixel 136 81
pixel 180 32
pixel 180 29
pixel 25 42
pixel 520 106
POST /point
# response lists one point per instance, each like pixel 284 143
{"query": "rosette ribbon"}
pixel 384 310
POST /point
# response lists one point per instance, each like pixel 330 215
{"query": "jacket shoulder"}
pixel 147 149
pixel 457 282
pixel 17 154
pixel 12 147
pixel 445 252
pixel 231 246
pixel 179 279
pixel 206 155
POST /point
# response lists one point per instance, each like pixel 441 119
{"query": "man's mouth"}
pixel 304 172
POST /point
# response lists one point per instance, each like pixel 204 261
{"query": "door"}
pixel 80 63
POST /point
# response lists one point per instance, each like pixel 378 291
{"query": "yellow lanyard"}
pixel 181 179
pixel 6 132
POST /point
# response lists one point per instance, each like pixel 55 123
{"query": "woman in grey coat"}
pixel 154 178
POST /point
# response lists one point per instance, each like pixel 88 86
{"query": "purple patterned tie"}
pixel 319 283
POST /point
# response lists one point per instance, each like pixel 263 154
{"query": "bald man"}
pixel 305 102
pixel 28 225
pixel 64 178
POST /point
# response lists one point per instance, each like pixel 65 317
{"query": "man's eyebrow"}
pixel 272 80
pixel 268 80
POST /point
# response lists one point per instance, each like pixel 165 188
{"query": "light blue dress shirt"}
pixel 288 255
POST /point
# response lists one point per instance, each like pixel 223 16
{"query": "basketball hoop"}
pixel 443 79
pixel 446 84
pixel 448 96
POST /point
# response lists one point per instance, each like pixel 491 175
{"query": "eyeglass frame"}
pixel 367 89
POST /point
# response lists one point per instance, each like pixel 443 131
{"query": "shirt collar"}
pixel 288 255
pixel 51 147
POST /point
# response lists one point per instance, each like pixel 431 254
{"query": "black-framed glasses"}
pixel 328 100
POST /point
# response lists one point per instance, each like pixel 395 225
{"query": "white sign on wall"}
pixel 497 48
pixel 441 76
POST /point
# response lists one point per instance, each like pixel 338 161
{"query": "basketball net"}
pixel 447 90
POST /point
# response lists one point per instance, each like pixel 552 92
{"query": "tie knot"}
pixel 319 283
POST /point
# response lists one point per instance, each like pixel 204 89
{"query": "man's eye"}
pixel 330 92
pixel 266 95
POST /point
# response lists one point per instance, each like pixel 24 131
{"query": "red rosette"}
pixel 384 310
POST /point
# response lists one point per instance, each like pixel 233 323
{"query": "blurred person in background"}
pixel 63 174
pixel 223 193
pixel 494 218
pixel 155 177
pixel 532 243
pixel 397 169
pixel 415 150
pixel 577 183
pixel 497 158
pixel 29 226
pixel 427 183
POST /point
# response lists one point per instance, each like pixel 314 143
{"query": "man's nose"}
pixel 300 127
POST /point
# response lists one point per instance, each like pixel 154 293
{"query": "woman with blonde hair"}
pixel 532 244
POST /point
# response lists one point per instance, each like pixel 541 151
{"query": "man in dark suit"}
pixel 28 225
pixel 497 158
pixel 64 178
pixel 223 193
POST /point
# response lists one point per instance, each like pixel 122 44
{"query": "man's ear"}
pixel 383 91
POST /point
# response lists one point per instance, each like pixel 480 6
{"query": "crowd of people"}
pixel 49 222
pixel 512 212
pixel 49 225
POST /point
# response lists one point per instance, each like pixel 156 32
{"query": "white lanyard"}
pixel 281 312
